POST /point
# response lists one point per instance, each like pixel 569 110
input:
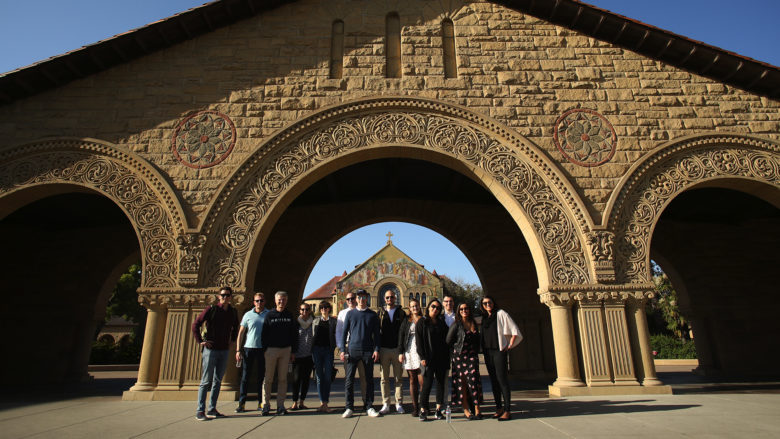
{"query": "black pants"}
pixel 438 372
pixel 353 360
pixel 495 362
pixel 253 358
pixel 301 374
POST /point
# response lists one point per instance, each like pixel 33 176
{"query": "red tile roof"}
pixel 326 291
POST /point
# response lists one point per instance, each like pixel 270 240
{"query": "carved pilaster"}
pixel 641 338
pixel 593 339
pixel 600 243
pixel 619 341
pixel 149 367
pixel 190 249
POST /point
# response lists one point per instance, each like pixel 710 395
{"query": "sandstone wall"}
pixel 270 70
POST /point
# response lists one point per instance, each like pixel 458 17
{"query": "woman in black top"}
pixel 434 356
pixel 322 349
pixel 465 339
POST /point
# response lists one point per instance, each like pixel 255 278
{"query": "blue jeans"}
pixel 252 357
pixel 354 359
pixel 323 368
pixel 214 363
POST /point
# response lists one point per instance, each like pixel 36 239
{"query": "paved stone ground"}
pixel 698 409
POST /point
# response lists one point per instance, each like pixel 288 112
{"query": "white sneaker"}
pixel 347 413
pixel 385 409
pixel 372 413
pixel 399 409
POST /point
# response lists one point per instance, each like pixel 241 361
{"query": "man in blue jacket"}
pixel 361 326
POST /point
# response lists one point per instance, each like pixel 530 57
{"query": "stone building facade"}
pixel 545 139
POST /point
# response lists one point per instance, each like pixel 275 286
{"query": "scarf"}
pixel 305 323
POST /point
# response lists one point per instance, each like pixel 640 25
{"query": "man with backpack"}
pixel 221 322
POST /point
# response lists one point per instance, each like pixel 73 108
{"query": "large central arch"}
pixel 517 173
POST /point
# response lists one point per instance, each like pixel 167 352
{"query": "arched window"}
pixel 337 50
pixel 411 297
pixel 448 49
pixel 393 45
pixel 424 302
pixel 417 296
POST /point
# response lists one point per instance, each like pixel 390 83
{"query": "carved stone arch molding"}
pixel 509 165
pixel 652 183
pixel 125 178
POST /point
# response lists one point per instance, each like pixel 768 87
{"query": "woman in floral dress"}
pixel 409 356
pixel 465 339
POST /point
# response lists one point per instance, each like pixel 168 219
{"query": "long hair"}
pixel 495 305
pixel 467 322
pixel 427 313
pixel 411 316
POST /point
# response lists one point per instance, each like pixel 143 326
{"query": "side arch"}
pixel 650 185
pixel 128 180
pixel 509 166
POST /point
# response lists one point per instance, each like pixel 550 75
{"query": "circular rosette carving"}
pixel 204 139
pixel 585 137
pixel 763 167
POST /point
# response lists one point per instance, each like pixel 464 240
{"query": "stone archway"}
pixel 132 184
pixel 651 184
pixel 527 183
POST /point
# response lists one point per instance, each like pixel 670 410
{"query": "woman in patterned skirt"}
pixel 465 339
pixel 409 356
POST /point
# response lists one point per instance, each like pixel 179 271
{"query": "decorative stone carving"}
pixel 182 298
pixel 132 185
pixel 203 139
pixel 190 248
pixel 672 170
pixel 601 249
pixel 585 137
pixel 250 194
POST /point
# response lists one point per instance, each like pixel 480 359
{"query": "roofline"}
pixel 730 68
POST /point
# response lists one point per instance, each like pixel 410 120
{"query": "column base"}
pixel 567 382
pixel 556 391
pixel 174 395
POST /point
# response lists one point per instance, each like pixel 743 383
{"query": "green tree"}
pixel 665 304
pixel 462 291
pixel 123 303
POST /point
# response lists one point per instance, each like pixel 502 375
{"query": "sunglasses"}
pixel 350 298
pixel 389 297
pixel 463 309
pixel 259 300
pixel 225 295
pixel 435 307
pixel 487 303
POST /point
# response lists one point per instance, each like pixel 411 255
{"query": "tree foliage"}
pixel 123 303
pixel 665 305
pixel 462 291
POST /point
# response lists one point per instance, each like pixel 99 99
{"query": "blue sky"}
pixel 33 30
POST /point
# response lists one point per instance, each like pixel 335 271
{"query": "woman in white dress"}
pixel 409 356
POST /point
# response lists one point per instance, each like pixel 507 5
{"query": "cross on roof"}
pixel 389 235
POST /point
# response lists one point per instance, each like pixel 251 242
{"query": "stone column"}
pixel 564 342
pixel 643 339
pixel 149 368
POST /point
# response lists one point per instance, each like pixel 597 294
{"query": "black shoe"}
pixel 214 414
pixel 265 412
pixel 200 416
pixel 416 412
pixel 281 412
pixel 422 416
pixel 240 408
pixel 438 414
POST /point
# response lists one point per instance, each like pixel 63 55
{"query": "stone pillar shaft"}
pixel 149 368
pixel 643 336
pixel 565 347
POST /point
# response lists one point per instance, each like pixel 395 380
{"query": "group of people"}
pixel 427 343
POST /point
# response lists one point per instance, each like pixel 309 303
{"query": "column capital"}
pixel 595 294
pixel 185 297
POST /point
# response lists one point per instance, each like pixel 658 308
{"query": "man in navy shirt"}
pixel 361 326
